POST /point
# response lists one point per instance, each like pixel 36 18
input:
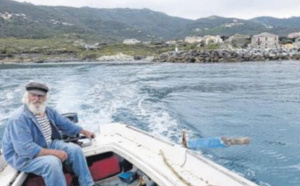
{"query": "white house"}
pixel 212 39
pixel 91 46
pixel 146 42
pixel 239 40
pixel 172 42
pixel 193 39
pixel 294 35
pixel 297 42
pixel 289 46
pixel 131 41
pixel 264 40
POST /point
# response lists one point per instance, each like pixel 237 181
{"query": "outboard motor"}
pixel 72 116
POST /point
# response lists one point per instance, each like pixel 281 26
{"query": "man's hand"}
pixel 88 134
pixel 62 155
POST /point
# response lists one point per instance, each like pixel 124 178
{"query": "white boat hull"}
pixel 166 163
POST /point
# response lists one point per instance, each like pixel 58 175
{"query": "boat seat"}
pixel 101 166
pixel 34 180
pixel 105 168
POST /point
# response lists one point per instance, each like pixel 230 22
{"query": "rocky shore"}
pixel 124 57
pixel 192 56
pixel 202 56
pixel 40 58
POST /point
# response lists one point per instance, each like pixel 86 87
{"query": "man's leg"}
pixel 49 167
pixel 77 159
pixel 213 142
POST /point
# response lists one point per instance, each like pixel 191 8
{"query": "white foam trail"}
pixel 67 99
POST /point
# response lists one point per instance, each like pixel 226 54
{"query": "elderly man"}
pixel 32 141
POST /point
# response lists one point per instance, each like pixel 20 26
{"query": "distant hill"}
pixel 215 25
pixel 156 24
pixel 292 22
pixel 280 26
pixel 25 20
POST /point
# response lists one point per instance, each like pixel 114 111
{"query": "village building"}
pixel 172 42
pixel 193 39
pixel 289 46
pixel 212 39
pixel 239 40
pixel 131 41
pixel 146 42
pixel 297 42
pixel 264 40
pixel 294 35
pixel 91 46
pixel 6 15
pixel 180 41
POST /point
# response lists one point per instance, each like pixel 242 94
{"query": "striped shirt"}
pixel 45 126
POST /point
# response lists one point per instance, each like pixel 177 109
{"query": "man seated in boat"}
pixel 32 141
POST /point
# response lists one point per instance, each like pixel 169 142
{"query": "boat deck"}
pixel 115 181
pixel 164 162
pixel 120 149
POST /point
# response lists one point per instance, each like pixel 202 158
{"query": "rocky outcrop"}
pixel 124 57
pixel 117 57
pixel 37 58
pixel 63 57
pixel 202 56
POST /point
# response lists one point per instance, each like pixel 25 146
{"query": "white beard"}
pixel 40 109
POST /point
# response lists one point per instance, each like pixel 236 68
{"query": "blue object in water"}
pixel 201 143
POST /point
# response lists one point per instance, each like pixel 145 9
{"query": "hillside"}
pixel 29 21
pixel 215 25
pixel 25 20
pixel 280 26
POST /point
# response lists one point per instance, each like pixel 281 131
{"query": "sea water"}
pixel 259 100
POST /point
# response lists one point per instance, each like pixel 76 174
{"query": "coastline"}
pixel 63 58
pixel 191 56
pixel 242 55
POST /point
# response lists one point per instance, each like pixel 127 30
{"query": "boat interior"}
pixel 107 169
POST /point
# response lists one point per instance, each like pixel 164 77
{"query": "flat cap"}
pixel 37 88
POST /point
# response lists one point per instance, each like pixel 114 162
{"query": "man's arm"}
pixel 64 125
pixel 88 134
pixel 68 127
pixel 21 139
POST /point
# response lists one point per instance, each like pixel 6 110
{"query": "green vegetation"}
pixel 46 46
pixel 66 49
pixel 62 48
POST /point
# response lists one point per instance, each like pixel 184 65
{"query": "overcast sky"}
pixel 193 9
